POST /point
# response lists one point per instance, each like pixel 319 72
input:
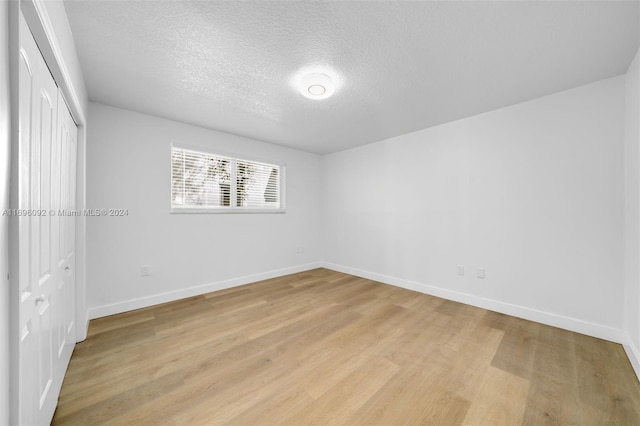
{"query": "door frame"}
pixel 41 26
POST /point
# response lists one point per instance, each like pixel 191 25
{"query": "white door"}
pixel 47 299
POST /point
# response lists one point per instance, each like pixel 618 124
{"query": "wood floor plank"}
pixel 274 406
pixel 344 362
pixel 412 397
pixel 518 347
pixel 337 404
pixel 597 372
pixel 553 396
pixel 125 401
pixel 322 347
pixel 471 362
pixel 500 400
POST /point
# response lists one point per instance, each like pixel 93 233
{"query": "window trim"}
pixel 227 209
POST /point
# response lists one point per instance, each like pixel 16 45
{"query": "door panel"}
pixel 27 309
pixel 65 225
pixel 37 367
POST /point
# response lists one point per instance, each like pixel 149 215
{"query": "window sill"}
pixel 191 210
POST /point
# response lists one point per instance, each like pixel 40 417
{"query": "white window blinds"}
pixel 202 181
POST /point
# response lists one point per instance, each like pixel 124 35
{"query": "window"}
pixel 206 182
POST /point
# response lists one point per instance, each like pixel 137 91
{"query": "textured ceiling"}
pixel 401 66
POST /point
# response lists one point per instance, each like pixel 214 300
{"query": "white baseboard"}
pixel 633 353
pixel 156 299
pixel 548 318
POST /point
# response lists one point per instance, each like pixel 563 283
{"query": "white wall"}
pixel 533 193
pixel 128 160
pixel 632 214
pixel 4 204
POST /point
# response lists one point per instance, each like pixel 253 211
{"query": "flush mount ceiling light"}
pixel 316 86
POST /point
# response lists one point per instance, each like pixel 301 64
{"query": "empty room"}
pixel 319 212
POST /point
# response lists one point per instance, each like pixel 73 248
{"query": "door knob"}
pixel 39 300
pixel 67 268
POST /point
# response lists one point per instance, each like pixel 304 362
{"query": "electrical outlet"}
pixel 480 273
pixel 460 270
pixel 145 271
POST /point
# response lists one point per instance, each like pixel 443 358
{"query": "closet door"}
pixel 45 249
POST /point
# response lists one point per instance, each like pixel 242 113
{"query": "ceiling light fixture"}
pixel 316 86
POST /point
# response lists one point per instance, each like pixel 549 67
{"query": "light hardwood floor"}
pixel 321 347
